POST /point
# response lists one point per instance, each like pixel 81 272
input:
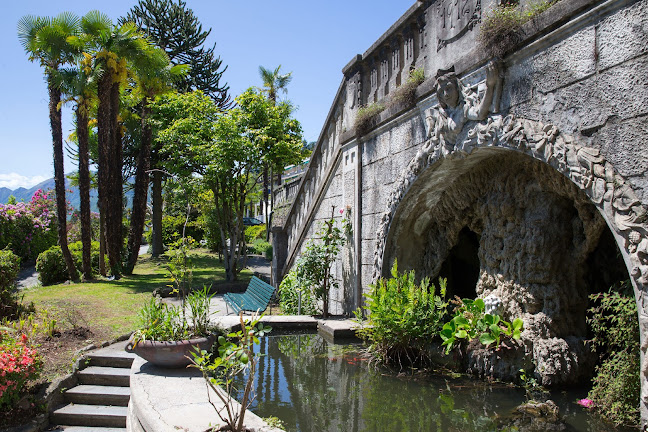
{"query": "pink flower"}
pixel 586 403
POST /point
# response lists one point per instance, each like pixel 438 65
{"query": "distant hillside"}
pixel 74 198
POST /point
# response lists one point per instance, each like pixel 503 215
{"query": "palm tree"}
pixel 273 82
pixel 154 75
pixel 45 40
pixel 78 85
pixel 112 47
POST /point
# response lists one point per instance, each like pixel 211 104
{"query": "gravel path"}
pixel 28 277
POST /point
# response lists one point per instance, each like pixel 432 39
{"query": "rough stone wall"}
pixel 586 75
pixel 536 231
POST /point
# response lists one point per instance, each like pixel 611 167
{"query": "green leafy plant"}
pixel 403 316
pixel 616 387
pixel 10 306
pixel 254 232
pixel 313 268
pixel 162 322
pixel 471 322
pixel 235 355
pixel 294 298
pixel 51 265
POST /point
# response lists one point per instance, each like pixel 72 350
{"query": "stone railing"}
pixel 286 193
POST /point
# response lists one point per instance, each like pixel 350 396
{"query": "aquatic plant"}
pixel 403 317
pixel 471 322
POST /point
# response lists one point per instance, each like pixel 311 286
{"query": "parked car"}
pixel 250 221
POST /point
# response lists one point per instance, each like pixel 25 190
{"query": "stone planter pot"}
pixel 170 354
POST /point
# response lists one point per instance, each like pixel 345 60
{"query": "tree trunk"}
pixel 157 247
pixel 59 176
pixel 84 189
pixel 110 181
pixel 102 244
pixel 138 215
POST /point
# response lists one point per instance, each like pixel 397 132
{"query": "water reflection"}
pixel 312 385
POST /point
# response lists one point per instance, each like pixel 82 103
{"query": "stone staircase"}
pixel 99 402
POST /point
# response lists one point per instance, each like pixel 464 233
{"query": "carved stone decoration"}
pixel 454 132
pixel 455 18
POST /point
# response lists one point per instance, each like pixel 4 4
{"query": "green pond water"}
pixel 313 385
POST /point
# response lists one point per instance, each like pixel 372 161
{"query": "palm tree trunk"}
pixel 84 189
pixel 114 223
pixel 157 247
pixel 59 175
pixel 138 215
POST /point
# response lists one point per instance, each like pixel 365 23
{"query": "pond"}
pixel 313 385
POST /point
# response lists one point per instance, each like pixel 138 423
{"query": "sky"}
pixel 313 40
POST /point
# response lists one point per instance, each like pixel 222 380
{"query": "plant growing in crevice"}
pixel 406 93
pixel 235 355
pixel 366 118
pixel 502 28
pixel 616 387
pixel 471 322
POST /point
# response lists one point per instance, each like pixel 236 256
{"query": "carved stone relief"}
pixel 455 18
pixel 455 130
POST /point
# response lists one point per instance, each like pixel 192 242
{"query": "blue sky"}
pixel 314 40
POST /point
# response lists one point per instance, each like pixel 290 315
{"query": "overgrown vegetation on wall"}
pixel 501 29
pixel 405 95
pixel 616 386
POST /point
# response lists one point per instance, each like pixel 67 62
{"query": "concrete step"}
pixel 98 395
pixel 90 415
pixel 106 376
pixel 111 359
pixel 85 429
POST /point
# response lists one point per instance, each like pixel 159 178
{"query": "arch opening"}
pixel 500 222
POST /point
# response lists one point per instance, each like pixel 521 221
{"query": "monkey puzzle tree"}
pixel 46 40
pixel 174 27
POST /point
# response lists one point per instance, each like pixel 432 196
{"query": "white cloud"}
pixel 14 181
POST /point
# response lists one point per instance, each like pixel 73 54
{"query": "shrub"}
pixel 19 364
pixel 289 291
pixel 172 227
pixel 403 317
pixel 28 228
pixel 255 232
pixel 261 247
pixel 51 265
pixel 616 386
pixel 9 267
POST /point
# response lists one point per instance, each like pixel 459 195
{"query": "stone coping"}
pixel 171 400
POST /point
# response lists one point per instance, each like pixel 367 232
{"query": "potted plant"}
pixel 167 336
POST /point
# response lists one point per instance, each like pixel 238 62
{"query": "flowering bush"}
pixel 28 228
pixel 74 227
pixel 19 363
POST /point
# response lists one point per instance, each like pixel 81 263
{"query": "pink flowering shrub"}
pixel 19 363
pixel 28 228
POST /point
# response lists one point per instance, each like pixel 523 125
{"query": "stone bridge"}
pixel 525 177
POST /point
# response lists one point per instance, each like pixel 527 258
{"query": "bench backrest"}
pixel 260 290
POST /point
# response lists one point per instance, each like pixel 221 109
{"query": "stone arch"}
pixel 584 167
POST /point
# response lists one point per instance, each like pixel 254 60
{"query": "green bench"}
pixel 256 298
